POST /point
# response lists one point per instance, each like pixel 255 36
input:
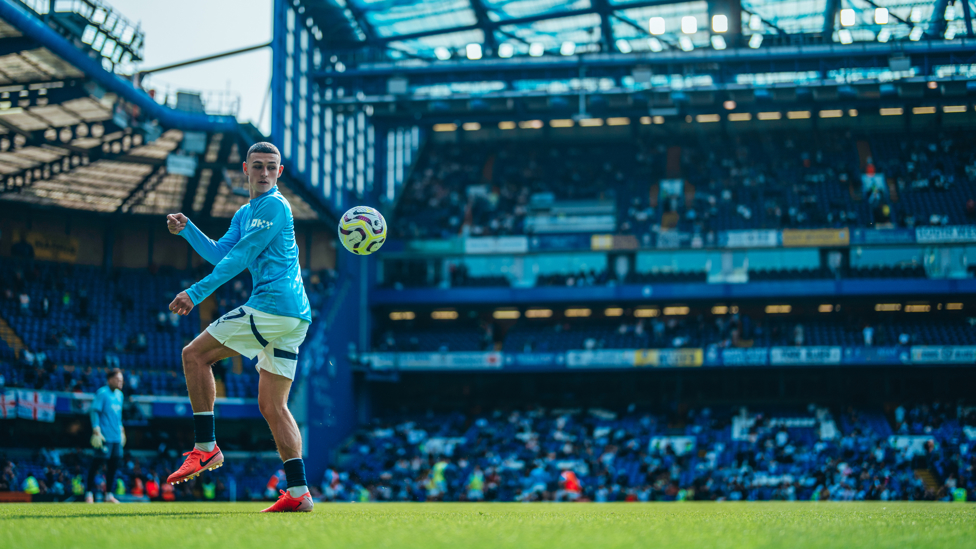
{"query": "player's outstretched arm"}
pixel 267 220
pixel 210 250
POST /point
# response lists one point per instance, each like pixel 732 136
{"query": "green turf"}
pixel 460 526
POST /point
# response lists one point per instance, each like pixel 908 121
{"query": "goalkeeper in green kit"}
pixel 108 436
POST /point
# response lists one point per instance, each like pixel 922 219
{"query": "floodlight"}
pixel 720 23
pixel 473 51
pixel 506 50
pixel 442 53
pixel 755 41
pixel 847 17
pixel 881 16
pixel 689 25
pixel 657 26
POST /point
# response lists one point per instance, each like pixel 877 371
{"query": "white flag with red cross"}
pixel 36 405
pixel 8 404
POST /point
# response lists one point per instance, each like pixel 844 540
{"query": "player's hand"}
pixel 123 438
pixel 176 222
pixel 97 440
pixel 182 305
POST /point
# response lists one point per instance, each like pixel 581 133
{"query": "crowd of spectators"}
pixel 77 321
pixel 60 475
pixel 768 180
pixel 599 455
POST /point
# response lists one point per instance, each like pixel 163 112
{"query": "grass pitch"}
pixel 460 526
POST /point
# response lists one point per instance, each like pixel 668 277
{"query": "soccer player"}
pixel 270 326
pixel 108 435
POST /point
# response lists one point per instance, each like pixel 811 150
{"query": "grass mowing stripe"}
pixel 522 526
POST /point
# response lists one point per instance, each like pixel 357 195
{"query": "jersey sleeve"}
pixel 210 250
pixel 267 220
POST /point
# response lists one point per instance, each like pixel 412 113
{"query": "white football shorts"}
pixel 273 339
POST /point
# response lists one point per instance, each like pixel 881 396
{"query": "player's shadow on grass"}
pixel 181 514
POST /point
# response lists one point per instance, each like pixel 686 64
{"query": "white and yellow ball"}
pixel 362 230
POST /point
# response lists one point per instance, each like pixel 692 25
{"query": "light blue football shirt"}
pixel 261 238
pixel 106 413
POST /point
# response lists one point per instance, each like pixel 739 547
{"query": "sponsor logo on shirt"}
pixel 261 224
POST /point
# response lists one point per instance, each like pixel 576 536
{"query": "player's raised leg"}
pixel 198 357
pixel 273 392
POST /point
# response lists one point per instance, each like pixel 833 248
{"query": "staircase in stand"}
pixel 931 483
pixel 10 337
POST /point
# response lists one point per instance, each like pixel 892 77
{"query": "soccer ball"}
pixel 362 230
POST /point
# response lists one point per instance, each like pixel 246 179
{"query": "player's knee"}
pixel 190 358
pixel 266 406
pixel 271 408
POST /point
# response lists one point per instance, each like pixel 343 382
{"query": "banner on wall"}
pixel 674 358
pixel 956 233
pixel 812 238
pixel 559 242
pixel 435 361
pixel 496 245
pixel 535 360
pixel 603 358
pixel 613 242
pixel 933 354
pixel 882 236
pixel 749 239
pixel 805 355
pixel 876 355
pixel 441 246
pixel 53 246
pixel 745 357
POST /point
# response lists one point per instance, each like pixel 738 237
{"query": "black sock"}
pixel 203 428
pixel 295 472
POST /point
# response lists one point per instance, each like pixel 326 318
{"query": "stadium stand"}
pixel 77 321
pixel 767 180
pixel 704 454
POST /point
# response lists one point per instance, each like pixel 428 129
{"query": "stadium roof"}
pixel 432 29
pixel 75 135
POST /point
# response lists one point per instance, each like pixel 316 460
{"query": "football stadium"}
pixel 497 273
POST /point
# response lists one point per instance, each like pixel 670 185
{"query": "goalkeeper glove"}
pixel 97 440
